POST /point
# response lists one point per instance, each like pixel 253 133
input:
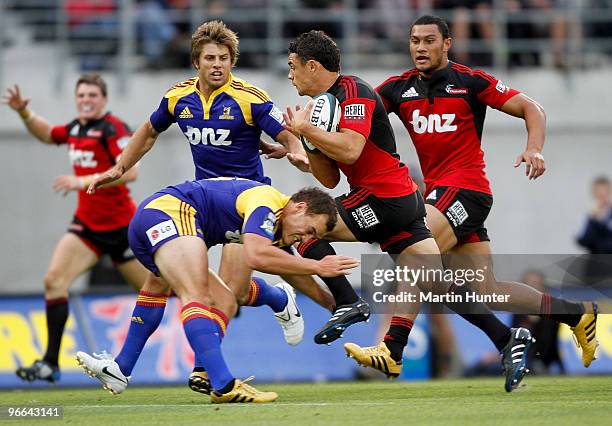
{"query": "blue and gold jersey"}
pixel 227 208
pixel 224 131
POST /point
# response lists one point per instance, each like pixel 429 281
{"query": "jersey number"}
pixel 208 136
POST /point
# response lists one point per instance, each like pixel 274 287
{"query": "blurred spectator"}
pixel 596 235
pixel 40 14
pixel 249 31
pixel 178 50
pixel 463 31
pixel 600 28
pixel 395 14
pixel 525 28
pixel 155 30
pixel 93 29
pixel 332 28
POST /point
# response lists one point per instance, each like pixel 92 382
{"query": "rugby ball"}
pixel 325 115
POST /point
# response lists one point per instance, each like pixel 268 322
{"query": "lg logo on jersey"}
pixel 207 136
pixel 432 123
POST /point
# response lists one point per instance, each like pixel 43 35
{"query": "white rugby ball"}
pixel 325 115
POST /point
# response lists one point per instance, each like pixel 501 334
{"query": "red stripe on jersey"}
pixel 486 76
pixel 405 76
pixel 443 199
pixel 253 92
pixel 466 70
pixel 394 239
pixel 460 67
pixel 253 88
pixel 302 247
pixel 351 86
pixel 452 197
pixel 446 198
pixel 351 197
pixel 91 245
pixel 347 91
pixel 403 322
pixel 356 200
pixel 411 72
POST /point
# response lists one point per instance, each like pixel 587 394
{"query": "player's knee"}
pixel 197 293
pixel 54 280
pixel 242 295
pixel 155 285
pixel 229 306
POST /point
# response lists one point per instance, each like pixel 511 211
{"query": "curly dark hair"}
pixel 318 202
pixel 318 46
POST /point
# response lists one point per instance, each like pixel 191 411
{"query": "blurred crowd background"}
pixel 563 34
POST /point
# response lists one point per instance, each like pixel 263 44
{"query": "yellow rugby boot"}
pixel 199 382
pixel 243 393
pixel 585 336
pixel 377 357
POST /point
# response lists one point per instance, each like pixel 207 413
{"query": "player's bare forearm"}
pixel 141 142
pixel 324 169
pixel 535 121
pixel 38 126
pixel 522 106
pixel 344 146
pixel 129 176
pixel 290 142
pixel 262 256
pixel 532 112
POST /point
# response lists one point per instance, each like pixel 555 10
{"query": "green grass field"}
pixel 552 401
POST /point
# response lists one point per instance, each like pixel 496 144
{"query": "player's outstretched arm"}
pixel 36 125
pixel 524 107
pixel 295 151
pixel 261 255
pixel 140 143
pixel 65 183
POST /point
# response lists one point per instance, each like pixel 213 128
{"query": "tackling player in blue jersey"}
pixel 171 233
pixel 222 117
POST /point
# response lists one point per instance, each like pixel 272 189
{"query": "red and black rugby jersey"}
pixel 378 169
pixel 444 117
pixel 94 148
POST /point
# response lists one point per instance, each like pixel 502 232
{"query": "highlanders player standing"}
pixel 95 141
pixel 443 105
pixel 383 204
pixel 222 117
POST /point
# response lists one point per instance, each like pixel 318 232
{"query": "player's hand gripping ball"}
pixel 325 115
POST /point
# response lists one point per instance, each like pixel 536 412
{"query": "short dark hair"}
pixel 93 79
pixel 318 46
pixel 601 180
pixel 318 202
pixel 433 20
